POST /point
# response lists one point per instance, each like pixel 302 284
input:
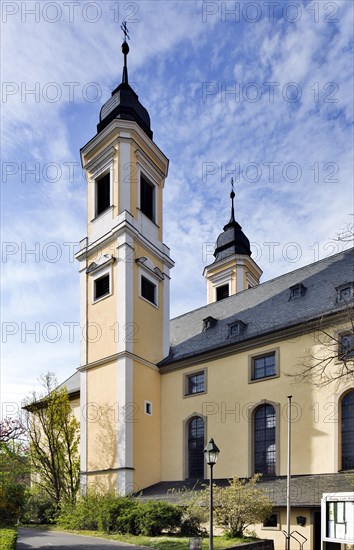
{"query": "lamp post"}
pixel 211 453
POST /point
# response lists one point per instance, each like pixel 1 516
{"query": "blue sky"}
pixel 261 91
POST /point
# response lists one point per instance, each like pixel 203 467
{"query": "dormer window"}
pixel 346 347
pixel 209 322
pixel 345 292
pixel 103 194
pixel 296 291
pixel 237 328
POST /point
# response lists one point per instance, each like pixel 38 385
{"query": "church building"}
pixel 150 391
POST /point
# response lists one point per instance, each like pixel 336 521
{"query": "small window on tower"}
pixel 101 287
pixel 147 198
pixel 148 290
pixel 222 292
pixel 103 194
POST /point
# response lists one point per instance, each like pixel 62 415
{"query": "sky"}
pixel 258 91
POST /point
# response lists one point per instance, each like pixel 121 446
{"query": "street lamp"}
pixel 211 453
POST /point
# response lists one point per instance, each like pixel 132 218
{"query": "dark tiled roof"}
pixel 305 490
pixel 72 384
pixel 265 308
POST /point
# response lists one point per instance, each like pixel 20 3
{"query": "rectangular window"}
pixel 271 522
pixel 147 198
pixel 222 292
pixel 101 287
pixel 195 383
pixel 263 366
pixel 103 194
pixel 148 290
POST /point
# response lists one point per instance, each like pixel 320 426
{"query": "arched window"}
pixel 264 440
pixel 348 431
pixel 196 448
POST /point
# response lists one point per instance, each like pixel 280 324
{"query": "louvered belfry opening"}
pixel 103 194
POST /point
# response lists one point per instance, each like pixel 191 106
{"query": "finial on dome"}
pixel 232 196
pixel 125 50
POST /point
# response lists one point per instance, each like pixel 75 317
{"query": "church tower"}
pixel 233 269
pixel 124 289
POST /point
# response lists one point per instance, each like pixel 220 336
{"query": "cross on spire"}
pixel 125 50
pixel 125 31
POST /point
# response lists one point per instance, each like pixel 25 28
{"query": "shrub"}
pixel 157 516
pixel 195 506
pixel 240 504
pixel 82 515
pixel 117 514
pixel 8 538
pixel 12 499
pixel 123 515
pixel 38 507
pixel 95 511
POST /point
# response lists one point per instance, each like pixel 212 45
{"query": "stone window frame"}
pixel 253 356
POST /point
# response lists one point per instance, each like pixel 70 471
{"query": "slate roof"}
pixel 306 490
pixel 264 309
pixel 72 384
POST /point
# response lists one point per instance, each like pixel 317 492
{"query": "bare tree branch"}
pixel 331 357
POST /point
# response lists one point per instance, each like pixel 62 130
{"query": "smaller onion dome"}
pixel 232 240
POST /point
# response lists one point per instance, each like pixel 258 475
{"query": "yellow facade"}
pixel 227 407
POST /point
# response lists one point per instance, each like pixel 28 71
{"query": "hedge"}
pixel 8 538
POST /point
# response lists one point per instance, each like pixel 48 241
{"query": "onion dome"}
pixel 124 103
pixel 232 240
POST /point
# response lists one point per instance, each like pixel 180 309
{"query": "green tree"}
pixel 53 436
pixel 14 472
pixel 240 505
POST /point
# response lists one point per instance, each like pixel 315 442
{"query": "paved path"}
pixel 54 540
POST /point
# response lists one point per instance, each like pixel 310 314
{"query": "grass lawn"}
pixel 160 543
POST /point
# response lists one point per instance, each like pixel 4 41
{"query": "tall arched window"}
pixel 195 448
pixel 348 431
pixel 264 440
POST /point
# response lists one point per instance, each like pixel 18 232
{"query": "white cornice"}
pixel 115 357
pixel 126 222
pixel 145 162
pixel 112 131
pixel 101 160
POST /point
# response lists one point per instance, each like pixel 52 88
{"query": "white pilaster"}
pixel 125 292
pixel 83 321
pixel 166 313
pixel 125 297
pixel 83 432
pixel 126 420
pixel 124 174
pixel 240 278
